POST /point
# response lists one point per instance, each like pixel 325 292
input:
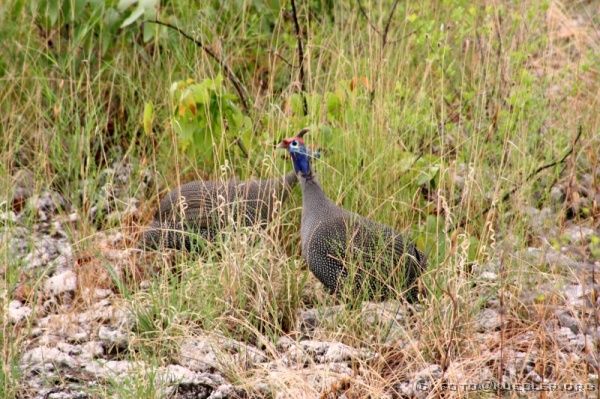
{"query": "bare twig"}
pixel 238 141
pixel 564 157
pixel 237 84
pixel 445 361
pixel 387 25
pixel 384 39
pixel 500 370
pixel 282 58
pixel 533 174
pixel 300 56
pixel 364 14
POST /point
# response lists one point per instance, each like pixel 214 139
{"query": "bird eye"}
pixel 294 143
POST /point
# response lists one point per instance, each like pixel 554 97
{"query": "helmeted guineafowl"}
pixel 340 246
pixel 204 207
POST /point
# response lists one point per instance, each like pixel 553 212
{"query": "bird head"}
pixel 299 153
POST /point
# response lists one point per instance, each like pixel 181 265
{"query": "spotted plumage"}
pixel 205 207
pixel 340 246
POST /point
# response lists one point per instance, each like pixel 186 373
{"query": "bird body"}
pixel 205 207
pixel 340 246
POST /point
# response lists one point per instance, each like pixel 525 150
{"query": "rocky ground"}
pixel 78 333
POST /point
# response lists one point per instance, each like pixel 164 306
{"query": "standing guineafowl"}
pixel 205 207
pixel 340 246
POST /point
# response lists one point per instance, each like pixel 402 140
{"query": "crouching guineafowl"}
pixel 203 208
pixel 342 247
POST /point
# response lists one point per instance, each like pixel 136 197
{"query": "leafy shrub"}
pixel 207 119
pixel 90 20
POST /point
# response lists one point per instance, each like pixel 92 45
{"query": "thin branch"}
pixel 412 32
pixel 533 174
pixel 500 371
pixel 387 25
pixel 564 158
pixel 364 14
pixel 300 56
pixel 282 58
pixel 445 361
pixel 384 41
pixel 237 84
pixel 238 141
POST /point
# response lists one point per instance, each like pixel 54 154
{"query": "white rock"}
pixel 101 293
pixel 207 353
pixel 489 276
pixel 69 349
pixel 423 380
pixel 309 319
pixel 171 376
pixel 557 195
pixel 224 391
pixel 540 220
pixel 174 373
pixel 104 312
pixel 112 337
pixel 488 320
pixel 62 326
pixel 61 283
pixel 567 320
pixel 18 312
pixel 383 312
pixel 8 216
pixel 406 389
pixel 552 258
pixel 570 341
pixel 79 336
pixel 324 352
pixel 92 294
pixel 574 294
pixel 112 368
pixel 66 394
pixel 578 234
pixel 91 350
pixel 339 352
pixel 284 343
pixel 45 355
pixel 198 355
pixel 433 371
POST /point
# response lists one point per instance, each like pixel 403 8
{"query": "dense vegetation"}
pixel 434 117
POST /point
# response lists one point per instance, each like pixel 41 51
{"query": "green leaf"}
pixel 407 161
pixel 427 175
pixel 148 118
pixel 135 15
pixel 334 104
pixel 53 10
pixel 198 92
pixel 435 239
pixel 150 31
pixel 201 112
pixel 185 132
pixel 73 10
pixel 125 4
pixel 111 18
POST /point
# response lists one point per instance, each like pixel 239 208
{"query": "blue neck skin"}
pixel 301 161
